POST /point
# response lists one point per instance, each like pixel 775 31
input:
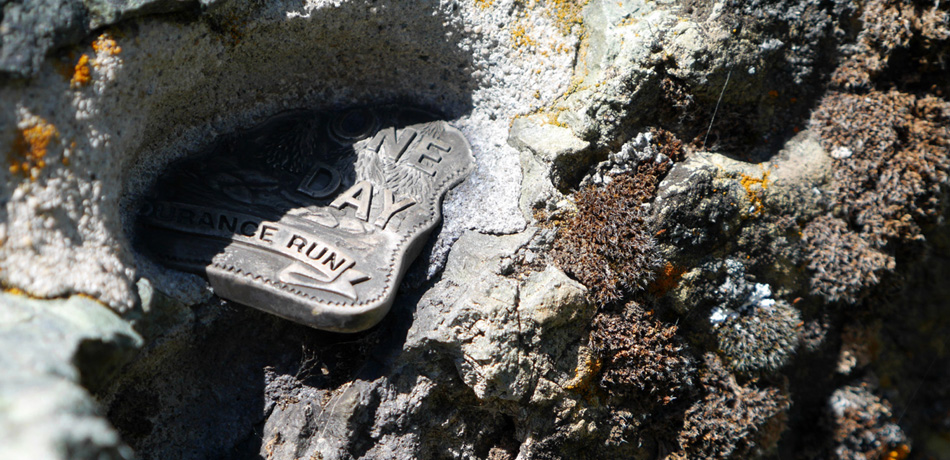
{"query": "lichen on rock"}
pixel 695 230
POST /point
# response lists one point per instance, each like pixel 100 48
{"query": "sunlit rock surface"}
pixel 785 164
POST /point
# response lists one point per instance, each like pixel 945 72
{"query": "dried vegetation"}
pixel 642 357
pixel 888 128
pixel 607 245
pixel 732 420
pixel 863 426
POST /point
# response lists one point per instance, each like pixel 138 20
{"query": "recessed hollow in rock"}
pixel 312 216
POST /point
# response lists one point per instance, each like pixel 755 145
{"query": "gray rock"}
pixel 712 201
pixel 551 299
pixel 107 12
pixel 161 93
pixel 550 158
pixel 496 329
pixel 490 357
pixel 53 351
pixel 32 28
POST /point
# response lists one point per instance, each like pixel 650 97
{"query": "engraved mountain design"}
pixel 311 216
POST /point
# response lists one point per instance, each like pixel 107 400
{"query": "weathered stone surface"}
pixel 552 299
pixel 701 111
pixel 30 29
pixel 52 350
pixel 108 12
pixel 494 329
pixel 116 133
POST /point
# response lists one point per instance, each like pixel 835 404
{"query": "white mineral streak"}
pixel 840 153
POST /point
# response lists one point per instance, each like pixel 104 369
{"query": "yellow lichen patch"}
pixel 18 292
pixel 29 148
pixel 105 44
pixel 15 291
pixel 81 74
pixel 754 188
pixel 567 13
pixel 484 4
pixel 520 37
pixel 587 368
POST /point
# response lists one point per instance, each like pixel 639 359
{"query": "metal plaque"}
pixel 310 216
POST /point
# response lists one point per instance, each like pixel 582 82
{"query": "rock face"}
pixel 51 350
pixel 694 230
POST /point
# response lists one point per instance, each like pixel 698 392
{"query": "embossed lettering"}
pixel 248 225
pixel 323 250
pixel 321 182
pixel 206 220
pixel 427 159
pixel 310 213
pixel 148 209
pixel 297 240
pixel 223 223
pixel 391 207
pixel 334 257
pixel 267 231
pixel 166 213
pixel 328 257
pixel 394 147
pixel 186 216
pixel 358 196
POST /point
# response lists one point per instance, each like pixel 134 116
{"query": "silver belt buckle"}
pixel 313 217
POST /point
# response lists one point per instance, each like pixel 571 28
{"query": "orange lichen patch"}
pixel 81 74
pixel 67 152
pixel 899 453
pixel 667 279
pixel 586 371
pixel 484 4
pixel 107 45
pixel 29 148
pixel 521 38
pixel 15 291
pixel 754 188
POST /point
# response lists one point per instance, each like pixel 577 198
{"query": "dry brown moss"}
pixel 863 426
pixel 890 29
pixel 892 160
pixel 606 244
pixel 888 128
pixel 641 356
pixel 899 162
pixel 732 420
pixel 843 264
